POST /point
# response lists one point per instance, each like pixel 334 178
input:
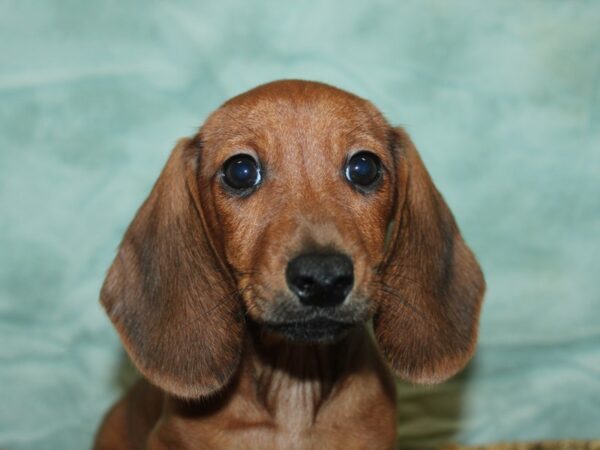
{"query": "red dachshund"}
pixel 289 253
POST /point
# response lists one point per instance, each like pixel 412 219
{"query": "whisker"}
pixel 223 301
pixel 404 302
pixel 360 124
pixel 405 278
pixel 202 315
pixel 239 122
pixel 383 267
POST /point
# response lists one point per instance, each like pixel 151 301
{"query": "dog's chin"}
pixel 319 330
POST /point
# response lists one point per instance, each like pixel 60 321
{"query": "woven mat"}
pixel 536 445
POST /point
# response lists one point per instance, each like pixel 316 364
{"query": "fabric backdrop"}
pixel 501 97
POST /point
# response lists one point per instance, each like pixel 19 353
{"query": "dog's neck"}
pixel 285 393
pixel 292 381
pixel 295 381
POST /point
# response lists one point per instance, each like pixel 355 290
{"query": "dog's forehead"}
pixel 297 94
pixel 292 108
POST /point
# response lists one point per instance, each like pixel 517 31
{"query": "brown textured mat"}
pixel 536 445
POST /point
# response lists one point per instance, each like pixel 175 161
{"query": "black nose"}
pixel 320 279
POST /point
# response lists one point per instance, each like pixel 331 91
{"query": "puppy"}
pixel 289 255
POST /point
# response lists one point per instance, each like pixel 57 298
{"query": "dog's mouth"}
pixel 316 330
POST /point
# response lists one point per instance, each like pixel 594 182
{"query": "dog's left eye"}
pixel 363 169
pixel 241 172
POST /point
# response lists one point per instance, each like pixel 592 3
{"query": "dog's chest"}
pixel 322 436
pixel 301 418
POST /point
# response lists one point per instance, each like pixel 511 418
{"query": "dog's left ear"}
pixel 432 286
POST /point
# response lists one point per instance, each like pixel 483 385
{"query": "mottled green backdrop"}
pixel 502 98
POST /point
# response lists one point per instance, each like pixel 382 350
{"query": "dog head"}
pixel 297 206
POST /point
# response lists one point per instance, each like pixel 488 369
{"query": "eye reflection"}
pixel 363 169
pixel 241 172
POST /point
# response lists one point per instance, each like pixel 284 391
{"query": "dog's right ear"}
pixel 171 300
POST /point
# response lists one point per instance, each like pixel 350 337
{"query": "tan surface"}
pixel 536 445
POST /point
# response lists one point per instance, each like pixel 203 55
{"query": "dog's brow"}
pixel 239 122
pixel 370 117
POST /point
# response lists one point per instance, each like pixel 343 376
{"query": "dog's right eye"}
pixel 241 172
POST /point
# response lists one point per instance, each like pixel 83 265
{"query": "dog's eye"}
pixel 363 169
pixel 241 172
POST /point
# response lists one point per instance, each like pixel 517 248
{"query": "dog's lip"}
pixel 315 330
pixel 317 322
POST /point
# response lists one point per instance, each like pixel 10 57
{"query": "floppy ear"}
pixel 432 286
pixel 166 292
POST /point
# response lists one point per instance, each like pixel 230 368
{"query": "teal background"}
pixel 501 97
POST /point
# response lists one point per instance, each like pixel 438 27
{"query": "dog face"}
pixel 298 180
pixel 298 207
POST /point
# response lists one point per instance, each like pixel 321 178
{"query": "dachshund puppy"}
pixel 290 254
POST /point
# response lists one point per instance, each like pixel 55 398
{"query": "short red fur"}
pixel 200 271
